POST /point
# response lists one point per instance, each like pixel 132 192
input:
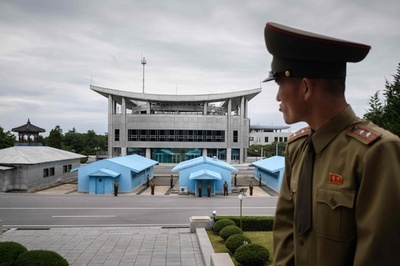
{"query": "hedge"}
pixel 252 223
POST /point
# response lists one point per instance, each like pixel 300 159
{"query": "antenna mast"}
pixel 144 61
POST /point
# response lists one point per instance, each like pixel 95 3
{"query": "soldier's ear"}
pixel 307 88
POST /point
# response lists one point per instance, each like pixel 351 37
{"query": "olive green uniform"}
pixel 355 197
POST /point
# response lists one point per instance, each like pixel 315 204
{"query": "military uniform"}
pixel 351 225
pixel 354 172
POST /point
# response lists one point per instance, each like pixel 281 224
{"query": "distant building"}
pixel 204 170
pixel 175 128
pixel 271 171
pixel 35 167
pixel 263 135
pixel 130 172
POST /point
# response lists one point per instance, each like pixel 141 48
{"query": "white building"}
pixel 175 128
pixel 264 135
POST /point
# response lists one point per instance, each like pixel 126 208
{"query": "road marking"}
pixel 128 208
pixel 92 225
pixel 83 216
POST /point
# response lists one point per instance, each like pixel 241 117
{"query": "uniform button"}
pixel 333 202
pixel 301 242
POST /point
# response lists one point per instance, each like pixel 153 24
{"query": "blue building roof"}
pixel 271 164
pixel 203 160
pixel 205 175
pixel 105 172
pixel 135 162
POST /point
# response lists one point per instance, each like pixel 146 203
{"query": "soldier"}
pixel 116 184
pixel 172 181
pixel 147 181
pixel 225 189
pixel 208 189
pixel 259 180
pixel 153 185
pixel 200 187
pixel 235 179
pixel 340 195
pixel 251 188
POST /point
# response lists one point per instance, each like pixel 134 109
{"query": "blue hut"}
pixel 205 171
pixel 270 171
pixel 130 171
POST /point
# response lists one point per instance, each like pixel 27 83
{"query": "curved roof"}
pixel 169 98
pixel 28 128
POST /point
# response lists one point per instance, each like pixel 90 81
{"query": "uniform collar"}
pixel 323 136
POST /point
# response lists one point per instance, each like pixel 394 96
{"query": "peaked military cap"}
pixel 299 54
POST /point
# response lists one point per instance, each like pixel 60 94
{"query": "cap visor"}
pixel 269 79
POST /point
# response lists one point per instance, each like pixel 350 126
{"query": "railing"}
pixel 28 144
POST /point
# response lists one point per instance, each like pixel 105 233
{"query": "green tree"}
pixel 73 141
pixel 268 150
pixel 387 115
pixel 55 138
pixel 7 139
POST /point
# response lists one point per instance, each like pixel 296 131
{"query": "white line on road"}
pixel 127 208
pixel 83 216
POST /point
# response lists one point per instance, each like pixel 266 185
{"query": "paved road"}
pixel 33 210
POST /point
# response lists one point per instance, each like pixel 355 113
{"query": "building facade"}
pixel 264 135
pixel 175 128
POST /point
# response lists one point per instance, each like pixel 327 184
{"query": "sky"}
pixel 52 51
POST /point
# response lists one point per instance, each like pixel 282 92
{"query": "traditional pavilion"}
pixel 28 134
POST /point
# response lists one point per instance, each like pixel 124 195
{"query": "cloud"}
pixel 51 51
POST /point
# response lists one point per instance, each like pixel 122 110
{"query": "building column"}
pixel 148 153
pixel 204 152
pixel 148 107
pixel 229 132
pixel 246 108
pixel 111 110
pixel 205 108
pixel 123 138
pixel 229 155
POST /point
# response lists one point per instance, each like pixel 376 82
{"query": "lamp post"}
pixel 240 197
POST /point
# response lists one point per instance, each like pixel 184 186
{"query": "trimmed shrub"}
pixel 9 252
pixel 235 241
pixel 221 223
pixel 252 223
pixel 252 255
pixel 229 230
pixel 41 257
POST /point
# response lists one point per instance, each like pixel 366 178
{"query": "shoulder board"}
pixel 300 133
pixel 363 134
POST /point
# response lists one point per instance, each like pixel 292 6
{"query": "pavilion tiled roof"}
pixel 28 127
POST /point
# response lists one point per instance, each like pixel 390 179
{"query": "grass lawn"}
pixel 262 238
